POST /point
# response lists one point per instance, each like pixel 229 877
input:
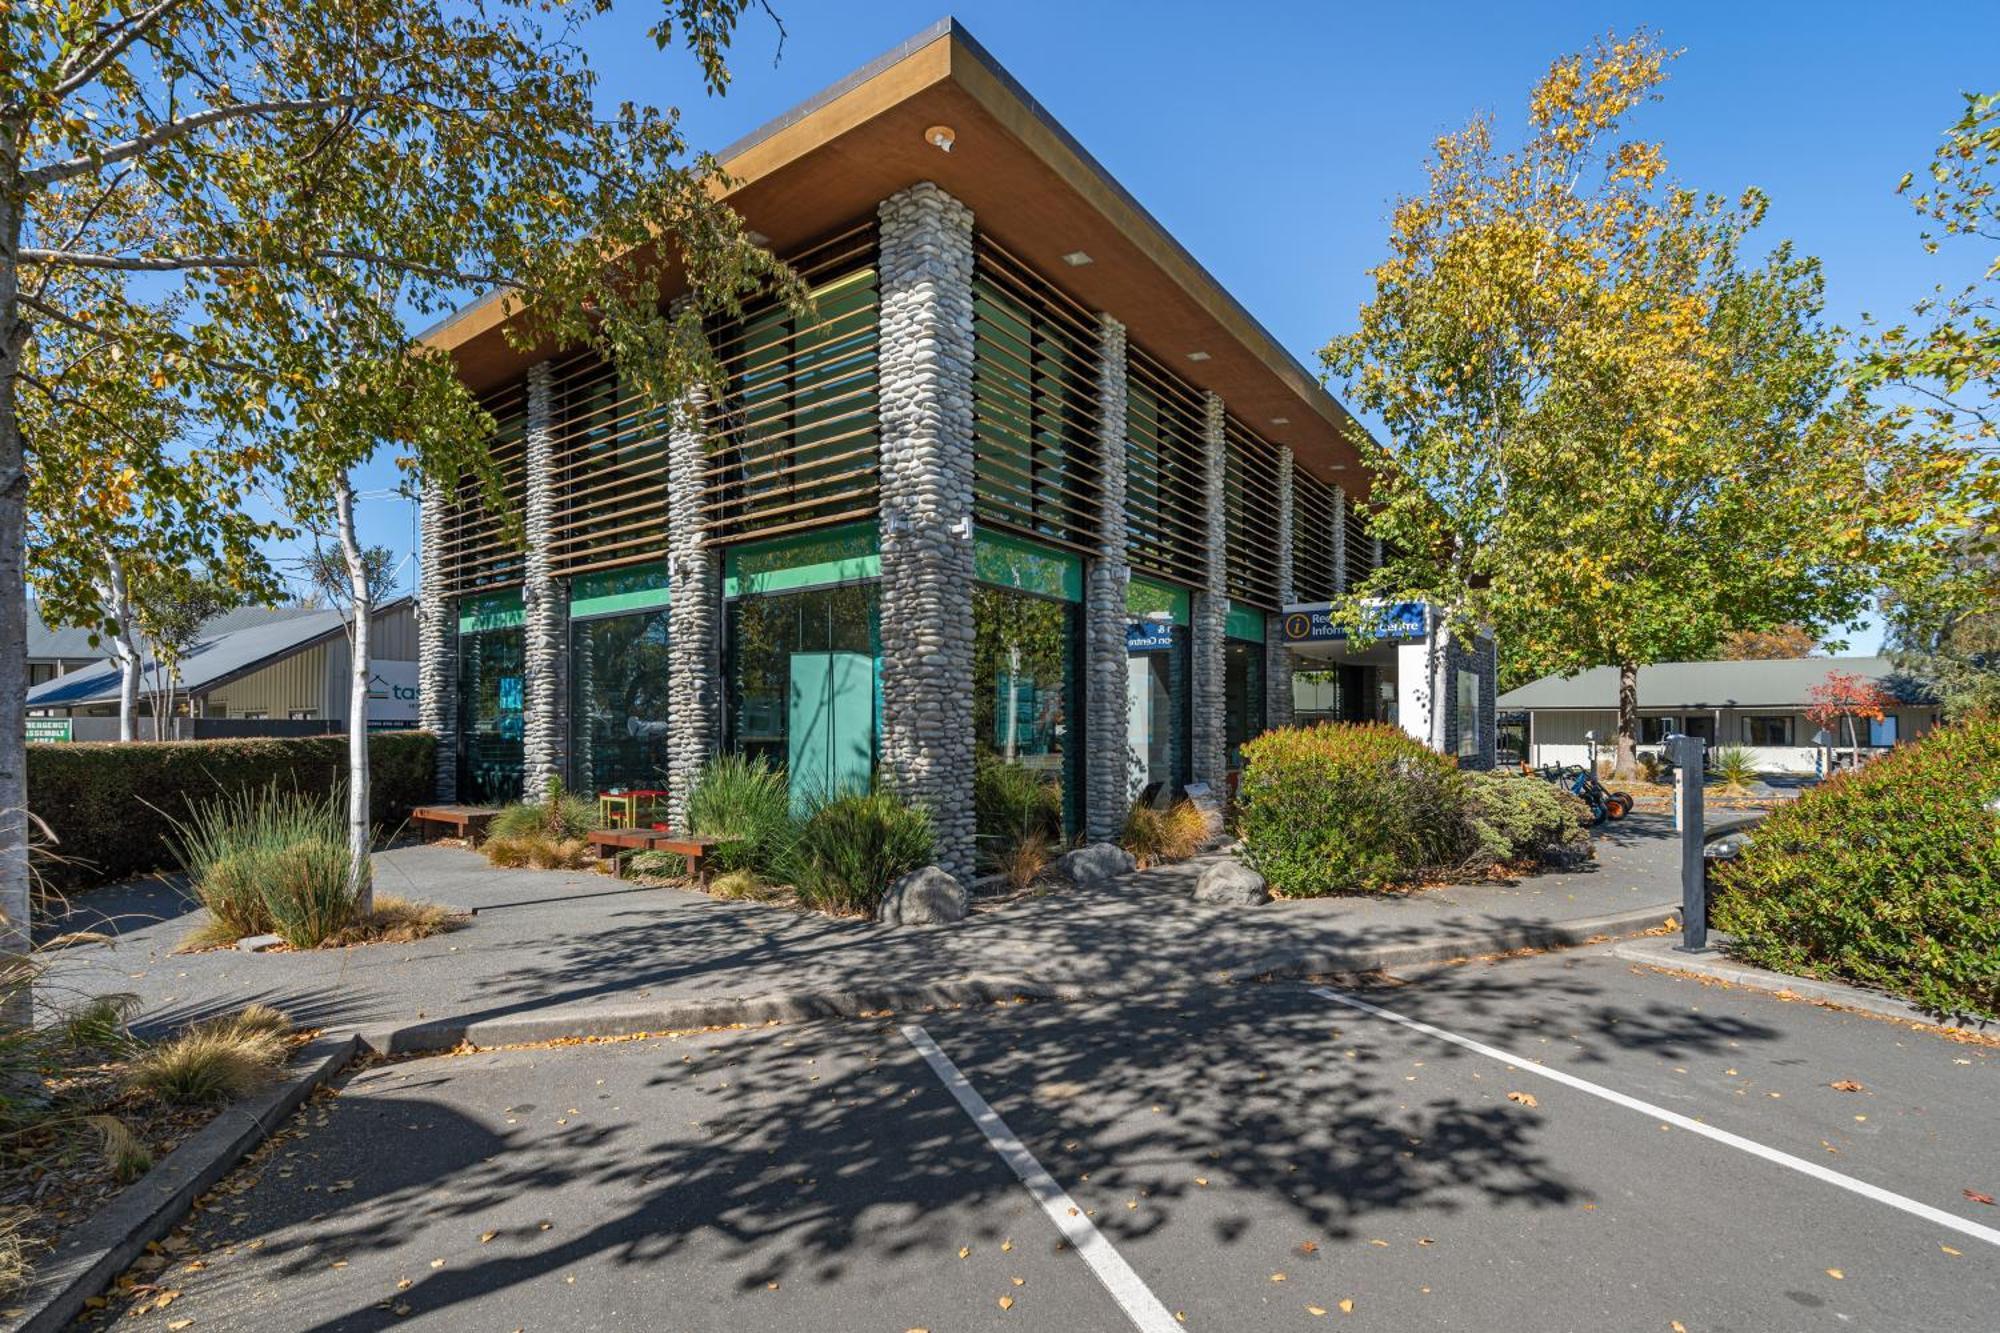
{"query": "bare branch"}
pixel 134 28
pixel 182 126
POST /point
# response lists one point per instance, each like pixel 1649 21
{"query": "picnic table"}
pixel 469 821
pixel 622 807
pixel 613 842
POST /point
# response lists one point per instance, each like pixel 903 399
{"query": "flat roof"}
pixel 1033 188
pixel 1768 683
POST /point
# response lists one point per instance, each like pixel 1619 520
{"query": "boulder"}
pixel 1099 863
pixel 1230 883
pixel 926 897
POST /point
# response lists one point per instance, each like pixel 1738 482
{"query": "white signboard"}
pixel 392 692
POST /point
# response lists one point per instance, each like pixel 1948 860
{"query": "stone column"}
pixel 694 613
pixel 925 369
pixel 545 604
pixel 437 643
pixel 1339 539
pixel 1106 668
pixel 1278 657
pixel 1211 609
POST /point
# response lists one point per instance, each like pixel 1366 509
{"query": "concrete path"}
pixel 1268 1159
pixel 547 940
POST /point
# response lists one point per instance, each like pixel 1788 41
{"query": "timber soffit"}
pixel 944 62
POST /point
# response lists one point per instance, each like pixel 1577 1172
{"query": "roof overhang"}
pixel 1033 189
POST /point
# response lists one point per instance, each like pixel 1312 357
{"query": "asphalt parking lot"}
pixel 1259 1157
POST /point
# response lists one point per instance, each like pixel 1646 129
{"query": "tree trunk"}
pixel 1626 765
pixel 16 1000
pixel 124 646
pixel 358 831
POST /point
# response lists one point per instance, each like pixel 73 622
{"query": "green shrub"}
pixel 1519 821
pixel 547 834
pixel 220 1060
pixel 1734 768
pixel 747 801
pixel 112 806
pixel 1012 804
pixel 851 848
pixel 1888 876
pixel 271 861
pixel 1336 809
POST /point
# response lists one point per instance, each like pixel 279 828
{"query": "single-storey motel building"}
pixel 1027 487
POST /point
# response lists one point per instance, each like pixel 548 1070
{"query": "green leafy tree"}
pixel 1612 437
pixel 293 182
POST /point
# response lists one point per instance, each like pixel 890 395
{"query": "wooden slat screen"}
pixel 794 444
pixel 1165 531
pixel 1312 538
pixel 478 554
pixel 1250 516
pixel 1037 469
pixel 1360 549
pixel 611 471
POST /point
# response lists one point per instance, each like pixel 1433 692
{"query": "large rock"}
pixel 1099 863
pixel 1230 883
pixel 926 897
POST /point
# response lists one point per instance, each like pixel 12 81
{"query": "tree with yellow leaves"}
pixel 1613 436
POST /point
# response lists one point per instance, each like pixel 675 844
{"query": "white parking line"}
pixel 1785 1159
pixel 1138 1302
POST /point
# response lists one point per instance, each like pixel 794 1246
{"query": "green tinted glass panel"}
pixel 1143 597
pixel 838 555
pixel 494 610
pixel 1009 562
pixel 1244 622
pixel 642 588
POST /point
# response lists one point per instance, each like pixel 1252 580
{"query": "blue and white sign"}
pixel 1146 636
pixel 1391 620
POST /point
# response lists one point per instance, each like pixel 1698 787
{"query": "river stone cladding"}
pixel 925 369
pixel 1106 784
pixel 437 646
pixel 694 614
pixel 544 603
pixel 1211 610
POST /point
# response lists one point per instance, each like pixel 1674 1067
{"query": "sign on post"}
pixel 44 729
pixel 1687 752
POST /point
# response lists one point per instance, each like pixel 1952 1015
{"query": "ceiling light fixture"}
pixel 941 137
pixel 1076 259
pixel 1197 356
pixel 1281 421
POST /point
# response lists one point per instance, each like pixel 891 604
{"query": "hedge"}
pixel 1888 876
pixel 109 804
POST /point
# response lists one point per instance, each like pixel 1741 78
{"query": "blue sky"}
pixel 1271 139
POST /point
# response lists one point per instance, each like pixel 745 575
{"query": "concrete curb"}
pixel 444 1034
pixel 1662 954
pixel 98 1251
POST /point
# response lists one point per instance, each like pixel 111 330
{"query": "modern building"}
pixel 1027 487
pixel 1760 705
pixel 287 665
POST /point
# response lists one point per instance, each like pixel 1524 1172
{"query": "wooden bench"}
pixel 610 842
pixel 469 821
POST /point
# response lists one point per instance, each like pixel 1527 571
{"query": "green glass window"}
pixel 1024 708
pixel 490 677
pixel 1243 695
pixel 618 702
pixel 804 684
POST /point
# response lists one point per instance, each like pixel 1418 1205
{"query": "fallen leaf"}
pixel 1006 1247
pixel 486 1236
pixel 1307 1247
pixel 1201 1180
pixel 402 1284
pixel 1947 1249
pixel 1977 1197
pixel 176 1325
pixel 1425 1240
pixel 437 1263
pixel 1845 1085
pixel 1525 1098
pixel 1006 1302
pixel 1835 1274
pixel 1316 1311
pixel 965 1251
pixel 1277 1277
pixel 400 1308
pixel 1677 1326
pixel 1347 1306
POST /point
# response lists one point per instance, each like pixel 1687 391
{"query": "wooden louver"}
pixel 1313 538
pixel 1037 467
pixel 1166 533
pixel 1250 515
pixel 478 553
pixel 795 442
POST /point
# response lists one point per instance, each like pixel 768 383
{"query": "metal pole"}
pixel 1694 885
